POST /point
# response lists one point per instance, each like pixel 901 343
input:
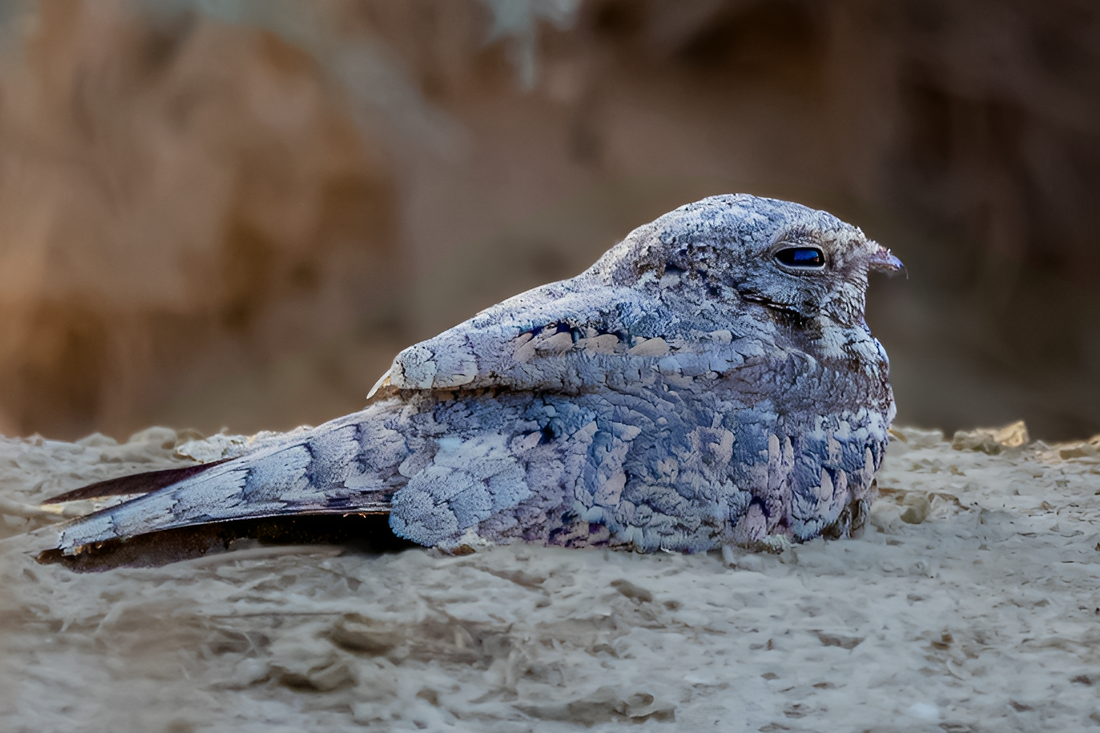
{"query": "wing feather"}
pixel 136 483
pixel 564 337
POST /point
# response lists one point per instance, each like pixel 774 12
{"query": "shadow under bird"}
pixel 709 382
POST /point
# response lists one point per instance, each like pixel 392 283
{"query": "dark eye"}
pixel 801 256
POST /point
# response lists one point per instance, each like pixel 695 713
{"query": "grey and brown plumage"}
pixel 710 381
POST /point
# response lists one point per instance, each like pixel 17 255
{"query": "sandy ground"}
pixel 971 604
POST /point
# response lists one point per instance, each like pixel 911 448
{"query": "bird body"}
pixel 709 381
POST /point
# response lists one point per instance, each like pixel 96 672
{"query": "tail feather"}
pixel 305 477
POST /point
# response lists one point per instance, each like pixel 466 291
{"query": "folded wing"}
pixel 564 338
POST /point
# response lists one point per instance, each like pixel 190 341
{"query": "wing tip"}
pixel 134 483
pixel 383 381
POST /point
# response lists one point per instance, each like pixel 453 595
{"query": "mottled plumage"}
pixel 709 381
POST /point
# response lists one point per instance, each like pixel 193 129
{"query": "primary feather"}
pixel 710 380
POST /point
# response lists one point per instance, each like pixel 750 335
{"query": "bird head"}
pixel 738 248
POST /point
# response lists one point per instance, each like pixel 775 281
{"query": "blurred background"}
pixel 234 214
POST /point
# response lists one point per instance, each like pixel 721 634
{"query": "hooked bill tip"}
pixel 883 260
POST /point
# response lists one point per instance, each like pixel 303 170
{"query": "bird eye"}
pixel 801 257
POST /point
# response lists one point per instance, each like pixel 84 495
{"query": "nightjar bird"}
pixel 709 382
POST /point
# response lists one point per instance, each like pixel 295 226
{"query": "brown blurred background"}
pixel 235 213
